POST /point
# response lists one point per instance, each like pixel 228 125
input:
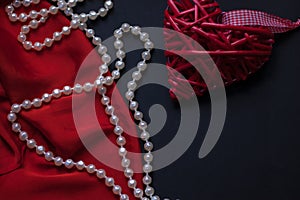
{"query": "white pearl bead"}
pixel 33 14
pixel 105 100
pixel 128 172
pixel 72 3
pixel 31 143
pixel 26 104
pixel 53 10
pixel 138 192
pixel 126 27
pixel 96 40
pixel 62 5
pixel 80 165
pixel 69 163
pixel 13 17
pixel 103 69
pixel 149 191
pixel 135 30
pixel 120 54
pixel 74 24
pixel 83 17
pixel 124 197
pixel 46 97
pixel 38 46
pixel 48 42
pixel 148 157
pixel 16 127
pixel 122 151
pixel 116 74
pixel 88 87
pixel 102 90
pixel 23 17
pixel 17 3
pixel 118 33
pixel 142 66
pixel 35 1
pixel 90 168
pixel 138 115
pixel 90 33
pixel 15 108
pixel 136 75
pixel 93 15
pixel 44 12
pixel 9 9
pixel 102 49
pixel 109 80
pixel 12 117
pixel 25 29
pixel 100 173
pixel 108 4
pixel 145 135
pixel 106 58
pixel 121 141
pixel 37 102
pixel 118 44
pixel 114 119
pixel 40 150
pixel 58 161
pixel 102 12
pixel 132 183
pixel 42 20
pixel 109 110
pixel 57 36
pixel 49 156
pixel 120 65
pixel 67 90
pixel 146 55
pixel 109 181
pixel 21 37
pixel 148 146
pixel 131 85
pixel 27 45
pixel 118 130
pixel 68 11
pixel 143 125
pixel 117 189
pixel 23 136
pixel 66 30
pixel 33 24
pixel 129 95
pixel 144 37
pixel 156 198
pixel 78 88
pixel 82 26
pixel 56 93
pixel 149 45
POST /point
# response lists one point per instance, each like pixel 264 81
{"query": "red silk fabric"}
pixel 29 74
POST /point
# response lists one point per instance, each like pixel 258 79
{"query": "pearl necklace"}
pixel 38 17
pixel 100 84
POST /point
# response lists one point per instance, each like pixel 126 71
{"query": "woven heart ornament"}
pixel 239 42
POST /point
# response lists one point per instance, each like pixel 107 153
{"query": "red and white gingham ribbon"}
pixel 257 18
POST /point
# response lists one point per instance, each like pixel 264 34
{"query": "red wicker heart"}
pixel 238 51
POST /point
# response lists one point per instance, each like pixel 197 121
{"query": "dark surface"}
pixel 258 154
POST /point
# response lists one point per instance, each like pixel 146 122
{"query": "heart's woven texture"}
pixel 238 51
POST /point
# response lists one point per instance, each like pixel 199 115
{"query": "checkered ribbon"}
pixel 257 18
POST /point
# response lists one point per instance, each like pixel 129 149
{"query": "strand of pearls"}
pixel 100 84
pixel 35 18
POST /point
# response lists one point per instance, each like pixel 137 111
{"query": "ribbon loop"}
pixel 258 18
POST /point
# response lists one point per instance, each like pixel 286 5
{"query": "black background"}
pixel 258 154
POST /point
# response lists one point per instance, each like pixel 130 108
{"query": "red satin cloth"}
pixel 27 75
